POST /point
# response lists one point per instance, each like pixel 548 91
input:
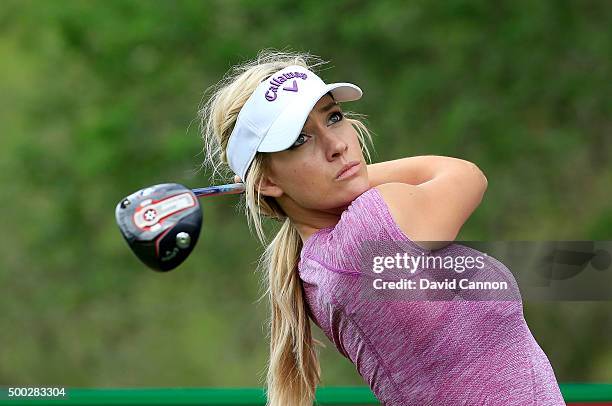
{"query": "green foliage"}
pixel 100 98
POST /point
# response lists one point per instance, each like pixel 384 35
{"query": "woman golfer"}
pixel 282 132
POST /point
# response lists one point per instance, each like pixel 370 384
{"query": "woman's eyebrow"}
pixel 327 107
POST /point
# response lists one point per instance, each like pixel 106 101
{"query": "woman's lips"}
pixel 349 172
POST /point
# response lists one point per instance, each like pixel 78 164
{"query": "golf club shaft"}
pixel 229 189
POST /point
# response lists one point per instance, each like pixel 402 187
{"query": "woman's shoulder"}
pixel 366 219
pixel 369 217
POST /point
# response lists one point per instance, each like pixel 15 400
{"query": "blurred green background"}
pixel 99 99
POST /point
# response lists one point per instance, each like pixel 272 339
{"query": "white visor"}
pixel 274 115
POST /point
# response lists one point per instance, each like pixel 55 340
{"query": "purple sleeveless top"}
pixel 454 352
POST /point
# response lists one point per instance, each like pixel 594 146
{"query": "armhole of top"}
pixel 389 223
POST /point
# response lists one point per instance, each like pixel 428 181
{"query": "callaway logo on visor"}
pixel 276 82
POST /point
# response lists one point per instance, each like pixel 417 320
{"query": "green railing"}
pixel 572 392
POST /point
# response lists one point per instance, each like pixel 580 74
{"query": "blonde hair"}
pixel 293 367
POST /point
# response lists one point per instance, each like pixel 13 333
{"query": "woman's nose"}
pixel 334 144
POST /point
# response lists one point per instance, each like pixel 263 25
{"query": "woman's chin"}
pixel 355 187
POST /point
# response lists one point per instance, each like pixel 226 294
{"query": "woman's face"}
pixel 305 175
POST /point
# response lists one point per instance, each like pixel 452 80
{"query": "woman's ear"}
pixel 267 187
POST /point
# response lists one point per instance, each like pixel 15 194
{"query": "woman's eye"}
pixel 337 114
pixel 297 142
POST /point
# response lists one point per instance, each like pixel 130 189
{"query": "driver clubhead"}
pixel 161 224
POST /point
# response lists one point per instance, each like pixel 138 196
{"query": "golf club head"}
pixel 161 224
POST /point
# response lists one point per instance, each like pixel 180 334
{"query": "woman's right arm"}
pixel 413 170
pixel 430 197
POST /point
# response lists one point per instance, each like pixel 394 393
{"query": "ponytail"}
pixel 293 370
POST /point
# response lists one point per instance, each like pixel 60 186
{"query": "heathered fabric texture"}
pixel 451 352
